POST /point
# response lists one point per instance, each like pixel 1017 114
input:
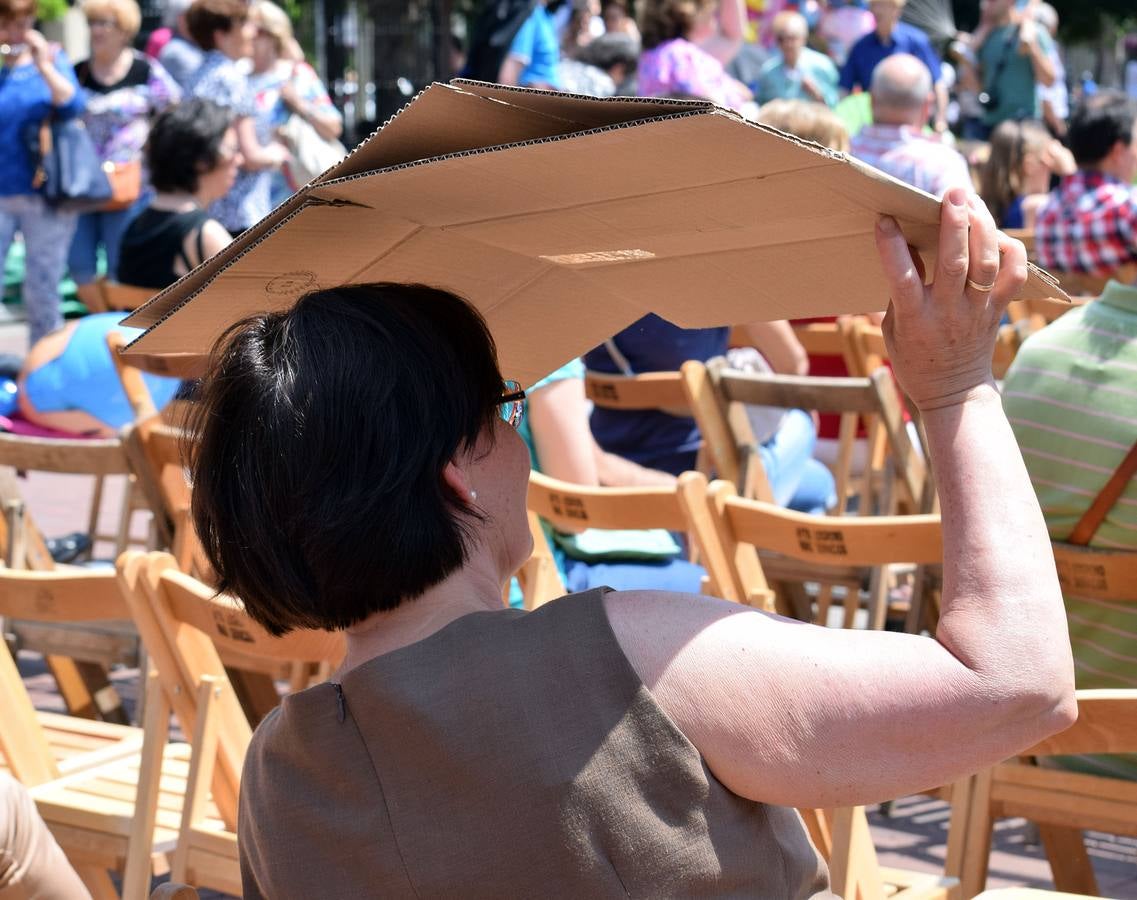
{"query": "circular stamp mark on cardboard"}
pixel 291 284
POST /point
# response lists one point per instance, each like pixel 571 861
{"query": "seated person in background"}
pixel 31 862
pixel 795 71
pixel 638 743
pixel 894 142
pixel 1015 179
pixel 1069 398
pixel 660 440
pixel 193 159
pixel 1089 224
pixel 555 429
pixel 68 381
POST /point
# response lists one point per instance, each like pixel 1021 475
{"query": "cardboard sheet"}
pixel 564 219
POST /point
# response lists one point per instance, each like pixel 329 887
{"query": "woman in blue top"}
pixel 36 81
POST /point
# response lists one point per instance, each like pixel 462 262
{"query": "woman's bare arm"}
pixel 800 715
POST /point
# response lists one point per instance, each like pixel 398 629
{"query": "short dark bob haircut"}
pixel 318 449
pixel 185 143
pixel 1098 123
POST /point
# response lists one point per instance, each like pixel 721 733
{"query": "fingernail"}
pixel 888 226
pixel 957 197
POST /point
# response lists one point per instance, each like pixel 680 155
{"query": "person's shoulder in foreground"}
pixel 408 757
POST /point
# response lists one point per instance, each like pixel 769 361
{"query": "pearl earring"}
pixel 473 495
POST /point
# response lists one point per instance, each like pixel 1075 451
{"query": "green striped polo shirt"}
pixel 1071 397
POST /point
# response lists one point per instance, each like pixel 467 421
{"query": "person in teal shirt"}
pixel 1014 58
pixel 796 72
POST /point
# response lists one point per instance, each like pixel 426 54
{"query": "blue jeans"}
pixel 106 228
pixel 797 479
pixel 47 235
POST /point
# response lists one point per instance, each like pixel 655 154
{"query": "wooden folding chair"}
pixel 78 658
pixel 186 627
pixel 1062 802
pixel 1035 314
pixel 765 544
pixel 718 394
pixel 87 777
pixel 573 507
pixel 97 458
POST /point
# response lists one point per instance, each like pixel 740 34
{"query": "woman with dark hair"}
pixel 223 29
pixel 124 91
pixel 357 468
pixel 1015 179
pixel 193 156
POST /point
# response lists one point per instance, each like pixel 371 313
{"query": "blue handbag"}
pixel 69 173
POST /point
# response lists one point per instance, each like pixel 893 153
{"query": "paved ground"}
pixel 913 836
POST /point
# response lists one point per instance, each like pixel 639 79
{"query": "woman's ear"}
pixel 454 478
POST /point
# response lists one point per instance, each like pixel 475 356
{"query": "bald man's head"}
pixel 901 91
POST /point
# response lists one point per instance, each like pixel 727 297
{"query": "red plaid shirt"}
pixel 1089 224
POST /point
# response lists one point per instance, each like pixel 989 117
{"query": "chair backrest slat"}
pixel 62 595
pixel 78 456
pixel 1107 723
pixel 829 540
pixel 649 390
pixel 573 507
pixel 798 391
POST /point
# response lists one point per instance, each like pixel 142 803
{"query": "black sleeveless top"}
pixel 153 242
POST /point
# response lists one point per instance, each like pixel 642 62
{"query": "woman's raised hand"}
pixel 941 336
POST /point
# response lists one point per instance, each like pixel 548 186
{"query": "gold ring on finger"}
pixel 982 288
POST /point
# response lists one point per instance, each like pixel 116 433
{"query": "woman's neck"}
pixel 476 587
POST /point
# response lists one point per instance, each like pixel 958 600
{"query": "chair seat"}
pixel 77 744
pixel 91 812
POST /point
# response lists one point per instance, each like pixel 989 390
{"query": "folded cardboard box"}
pixel 564 219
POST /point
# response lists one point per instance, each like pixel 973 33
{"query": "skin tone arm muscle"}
pixel 798 715
pixel 558 420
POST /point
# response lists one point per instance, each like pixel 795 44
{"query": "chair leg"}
pixel 980 825
pixel 156 732
pixel 1069 862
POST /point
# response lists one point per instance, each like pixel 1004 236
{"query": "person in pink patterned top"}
pixel 686 44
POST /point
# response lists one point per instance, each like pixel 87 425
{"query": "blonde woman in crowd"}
pixel 284 85
pixel 124 90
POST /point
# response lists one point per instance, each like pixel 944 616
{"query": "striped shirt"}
pixel 905 154
pixel 1071 397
